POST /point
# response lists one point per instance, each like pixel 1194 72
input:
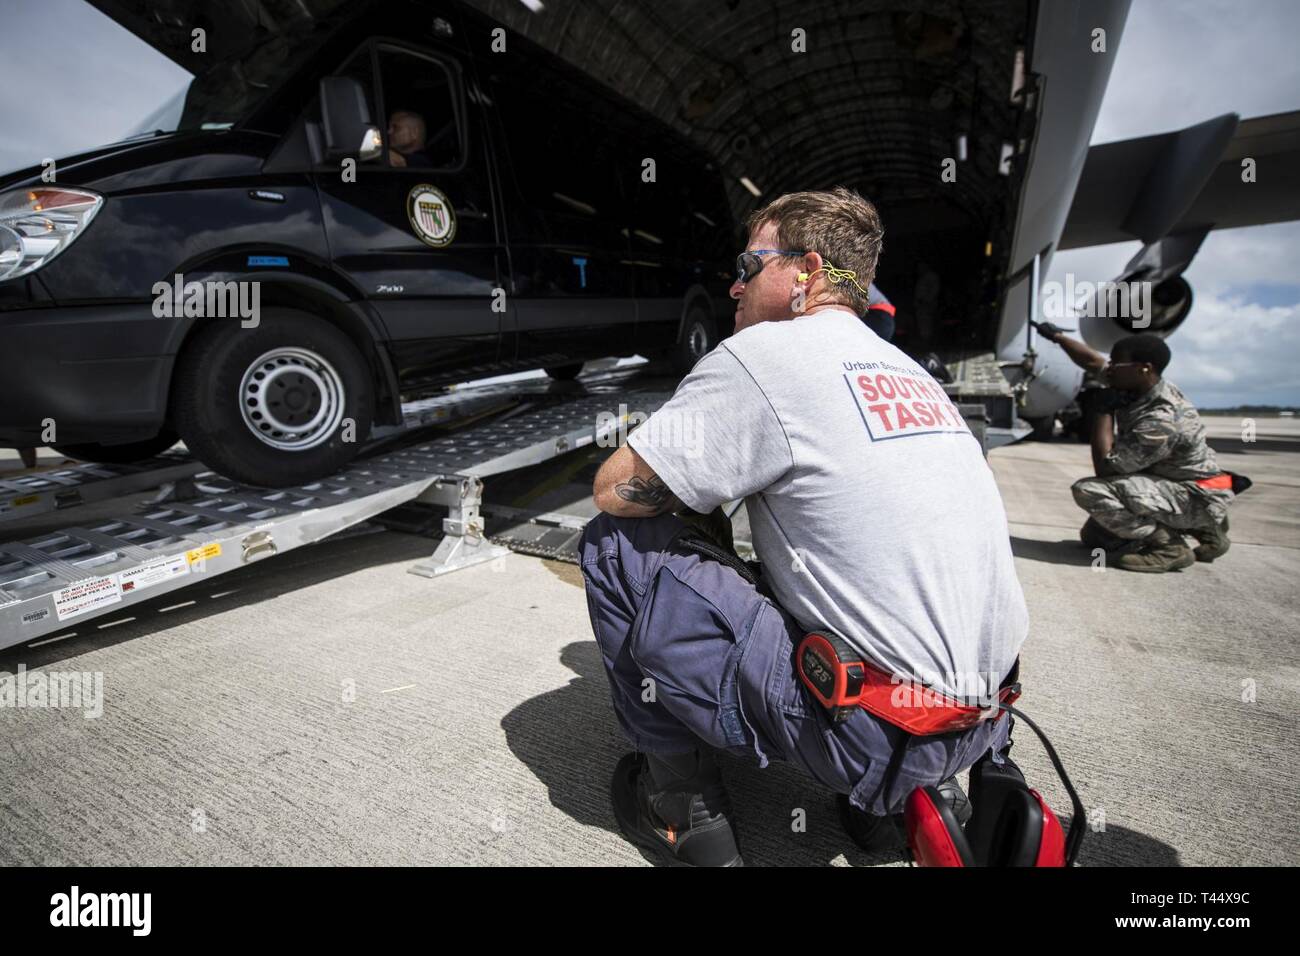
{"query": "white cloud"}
pixel 1236 352
pixel 1259 255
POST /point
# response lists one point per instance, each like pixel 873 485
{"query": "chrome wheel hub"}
pixel 291 399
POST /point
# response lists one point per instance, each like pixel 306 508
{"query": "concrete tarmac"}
pixel 327 707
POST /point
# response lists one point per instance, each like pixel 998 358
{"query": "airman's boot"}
pixel 1095 536
pixel 1162 551
pixel 1214 543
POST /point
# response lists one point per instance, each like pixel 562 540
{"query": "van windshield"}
pixel 226 93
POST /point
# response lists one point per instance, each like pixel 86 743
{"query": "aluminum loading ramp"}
pixel 211 525
pixel 72 484
pixel 77 484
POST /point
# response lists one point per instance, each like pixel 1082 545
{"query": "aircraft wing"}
pixel 1187 181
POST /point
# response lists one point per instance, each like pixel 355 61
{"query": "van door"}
pixel 417 230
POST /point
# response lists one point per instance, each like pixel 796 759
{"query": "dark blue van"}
pixel 352 212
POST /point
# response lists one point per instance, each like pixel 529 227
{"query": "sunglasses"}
pixel 750 264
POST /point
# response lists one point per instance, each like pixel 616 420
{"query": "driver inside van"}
pixel 406 135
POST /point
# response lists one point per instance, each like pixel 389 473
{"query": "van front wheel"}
pixel 281 404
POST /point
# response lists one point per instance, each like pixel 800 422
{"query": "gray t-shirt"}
pixel 870 503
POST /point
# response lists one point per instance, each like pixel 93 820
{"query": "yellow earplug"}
pixel 836 276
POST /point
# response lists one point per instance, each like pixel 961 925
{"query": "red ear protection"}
pixel 1017 828
pixel 933 833
pixel 1051 849
pixel 1010 824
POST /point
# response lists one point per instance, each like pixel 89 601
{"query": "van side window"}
pixel 558 140
pixel 422 128
pixel 687 205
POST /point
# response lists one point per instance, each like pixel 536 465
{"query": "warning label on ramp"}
pixel 155 572
pixel 85 596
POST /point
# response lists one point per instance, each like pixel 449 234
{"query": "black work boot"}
pixel 876 833
pixel 676 807
pixel 870 831
pixel 1164 550
pixel 1214 542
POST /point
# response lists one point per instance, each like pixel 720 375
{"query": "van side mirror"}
pixel 345 116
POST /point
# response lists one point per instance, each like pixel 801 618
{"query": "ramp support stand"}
pixel 463 542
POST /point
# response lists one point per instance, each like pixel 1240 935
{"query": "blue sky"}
pixel 1180 62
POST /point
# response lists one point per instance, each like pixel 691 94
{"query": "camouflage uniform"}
pixel 1149 477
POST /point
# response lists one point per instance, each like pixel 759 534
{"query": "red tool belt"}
pixel 842 681
pixel 1221 482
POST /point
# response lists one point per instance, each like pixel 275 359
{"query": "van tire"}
pixel 699 336
pixel 312 374
pixel 120 454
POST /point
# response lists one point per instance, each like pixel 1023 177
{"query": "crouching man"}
pixel 874 515
pixel 1156 478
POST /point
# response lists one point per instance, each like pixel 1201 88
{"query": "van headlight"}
pixel 38 223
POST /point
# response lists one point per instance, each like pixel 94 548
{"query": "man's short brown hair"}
pixel 840 225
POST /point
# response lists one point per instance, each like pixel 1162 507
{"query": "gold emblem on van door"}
pixel 431 214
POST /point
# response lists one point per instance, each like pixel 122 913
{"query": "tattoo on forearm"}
pixel 649 493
